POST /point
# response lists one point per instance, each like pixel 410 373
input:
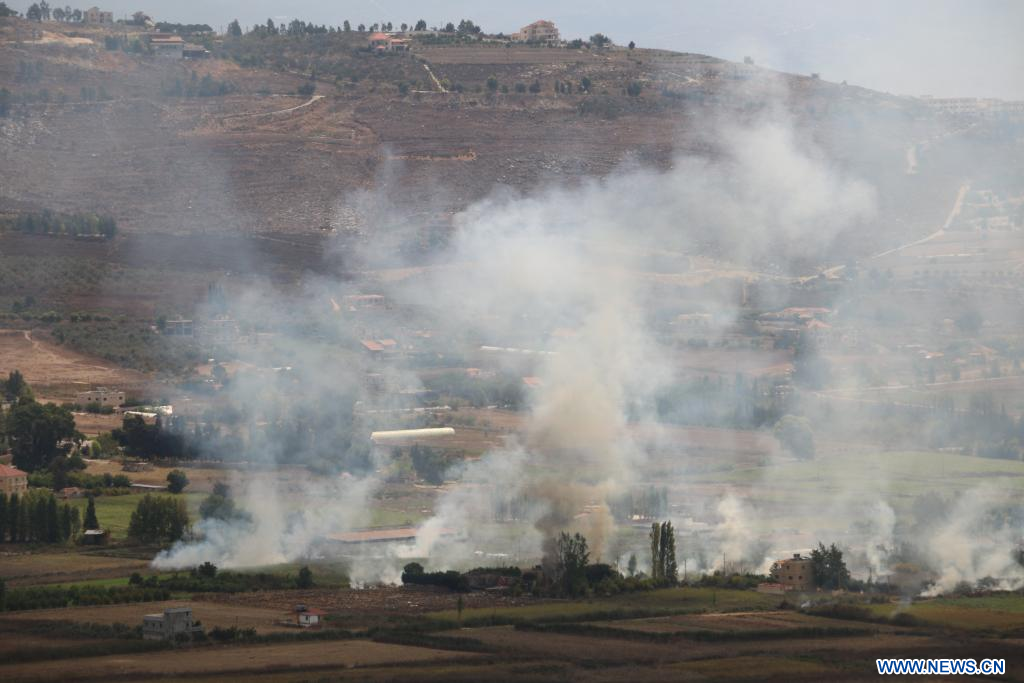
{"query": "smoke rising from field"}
pixel 574 271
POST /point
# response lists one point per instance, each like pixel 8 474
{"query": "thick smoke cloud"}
pixel 578 259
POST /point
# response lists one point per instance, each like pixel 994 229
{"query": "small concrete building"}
pixel 794 574
pixel 169 47
pixel 100 397
pixel 13 480
pixel 308 617
pixel 95 537
pixel 167 626
pixel 179 327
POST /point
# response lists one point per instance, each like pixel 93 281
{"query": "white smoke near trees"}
pixel 573 258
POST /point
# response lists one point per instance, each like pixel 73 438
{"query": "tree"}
pixel 235 29
pixel 305 578
pixel 634 88
pixel 3 516
pixel 421 25
pixel 14 518
pixel 346 27
pixel 669 571
pixel 15 387
pixel 35 431
pixel 158 519
pixel 34 13
pixel 969 322
pixel 90 515
pixel 830 570
pixel 492 83
pixel 631 566
pixel 572 559
pixel 796 436
pixel 632 45
pixel 6 11
pixel 585 84
pixel 207 570
pixel 600 40
pixel 44 9
pixel 655 538
pixel 58 14
pixel 176 481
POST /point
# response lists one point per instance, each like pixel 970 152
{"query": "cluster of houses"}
pixel 541 32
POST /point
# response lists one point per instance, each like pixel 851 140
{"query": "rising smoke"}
pixel 583 258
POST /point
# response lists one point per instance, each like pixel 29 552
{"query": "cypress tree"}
pixel 90 515
pixel 24 523
pixel 3 517
pixel 655 551
pixel 12 517
pixel 52 520
pixel 65 523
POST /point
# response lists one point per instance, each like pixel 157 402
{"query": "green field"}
pixel 996 613
pixel 667 601
pixel 115 512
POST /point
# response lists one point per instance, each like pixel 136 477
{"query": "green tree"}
pixel 158 519
pixel 305 578
pixel 655 539
pixel 3 516
pixel 830 571
pixel 492 83
pixel 421 25
pixel 6 11
pixel 669 570
pixel 235 29
pixel 177 480
pixel 90 514
pixel 631 566
pixel 600 40
pixel 52 520
pixel 346 27
pixel 35 430
pixel 796 436
pixel 13 518
pixel 15 387
pixel 66 523
pixel 572 559
pixel 585 84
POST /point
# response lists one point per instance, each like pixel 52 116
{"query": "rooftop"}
pixel 8 471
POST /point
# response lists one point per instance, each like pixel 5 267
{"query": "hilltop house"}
pixel 385 42
pixel 542 31
pixel 94 15
pixel 13 480
pixel 167 626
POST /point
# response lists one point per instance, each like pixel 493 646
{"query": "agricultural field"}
pixel 114 512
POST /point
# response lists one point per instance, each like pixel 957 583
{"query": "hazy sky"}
pixel 914 47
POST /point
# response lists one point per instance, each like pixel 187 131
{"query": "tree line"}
pixel 78 224
pixel 36 517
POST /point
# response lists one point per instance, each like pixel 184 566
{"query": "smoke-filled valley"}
pixel 391 339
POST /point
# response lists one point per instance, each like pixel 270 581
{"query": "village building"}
pixel 385 42
pixel 167 46
pixel 542 31
pixel 169 625
pixel 94 15
pixel 307 617
pixel 101 397
pixel 794 574
pixel 12 480
pixel 179 327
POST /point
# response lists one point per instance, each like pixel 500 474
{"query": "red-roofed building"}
pixel 13 480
